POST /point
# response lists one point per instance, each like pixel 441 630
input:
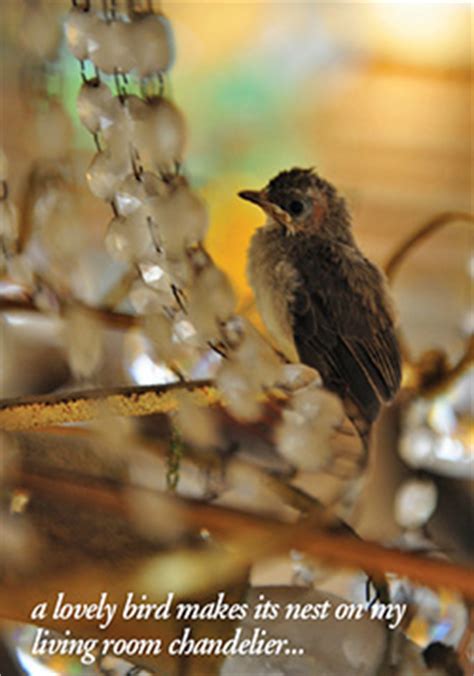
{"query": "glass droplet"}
pixel 79 28
pixel 151 42
pixel 96 106
pixel 180 218
pixel 128 238
pixel 415 503
pixel 83 341
pixel 165 131
pixel 105 173
pixel 110 47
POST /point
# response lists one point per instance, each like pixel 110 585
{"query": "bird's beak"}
pixel 260 198
pixel 255 196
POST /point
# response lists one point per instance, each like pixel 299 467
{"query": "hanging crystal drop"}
pixel 110 47
pixel 96 106
pixel 415 502
pixel 165 134
pixel 146 300
pixel 83 340
pixel 211 301
pixel 105 173
pixel 130 195
pixel 136 193
pixel 124 134
pixel 79 28
pixel 152 44
pixel 128 239
pixel 181 219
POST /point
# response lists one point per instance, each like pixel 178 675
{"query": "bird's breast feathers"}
pixel 274 280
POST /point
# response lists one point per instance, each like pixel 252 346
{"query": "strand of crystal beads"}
pixel 12 261
pixel 159 222
pixel 9 231
pixel 39 33
pixel 158 219
pixel 140 141
pixel 48 131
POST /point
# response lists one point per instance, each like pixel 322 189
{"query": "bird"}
pixel 324 303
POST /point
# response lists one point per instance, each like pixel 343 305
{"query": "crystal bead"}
pixel 79 28
pixel 137 112
pixel 133 193
pixel 239 397
pixel 302 443
pixel 143 245
pixel 127 122
pixel 417 446
pixel 211 301
pixel 180 218
pixel 127 238
pixel 304 573
pixel 295 377
pixel 159 330
pixel 165 132
pixel 110 47
pixel 96 106
pixel 153 275
pixel 83 342
pixel 136 107
pixel 233 331
pixel 152 44
pixel 105 173
pixel 415 503
pixel 178 270
pixel 261 364
pixel 184 332
pixel 144 299
pixel 119 135
pixel 8 226
pixel 130 195
pixel 154 186
pixel 303 435
pixel 315 403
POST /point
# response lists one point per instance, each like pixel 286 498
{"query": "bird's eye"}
pixel 295 207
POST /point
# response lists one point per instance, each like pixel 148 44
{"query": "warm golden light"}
pixel 424 33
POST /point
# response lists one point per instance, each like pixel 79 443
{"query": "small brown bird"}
pixel 322 300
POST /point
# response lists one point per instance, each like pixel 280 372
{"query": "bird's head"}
pixel 300 201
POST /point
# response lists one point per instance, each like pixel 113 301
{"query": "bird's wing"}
pixel 343 326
